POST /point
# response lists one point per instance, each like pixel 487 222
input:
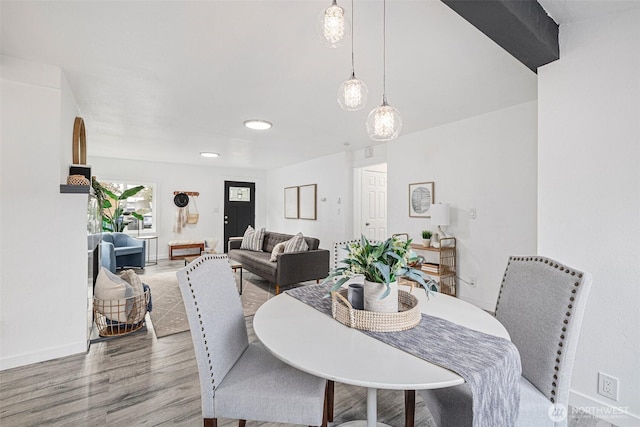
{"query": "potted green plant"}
pixel 426 238
pixel 381 265
pixel 113 212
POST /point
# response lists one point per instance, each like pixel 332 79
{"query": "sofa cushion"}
pixel 252 239
pixel 277 249
pixel 114 295
pixel 271 239
pixel 127 250
pixel 296 244
pixel 256 262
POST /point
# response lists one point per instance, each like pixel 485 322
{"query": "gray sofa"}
pixel 290 268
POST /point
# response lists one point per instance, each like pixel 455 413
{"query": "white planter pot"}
pixel 372 293
pixel 426 242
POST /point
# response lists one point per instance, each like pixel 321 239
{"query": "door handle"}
pixel 366 223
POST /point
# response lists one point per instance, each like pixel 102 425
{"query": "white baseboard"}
pixel 42 355
pixel 616 415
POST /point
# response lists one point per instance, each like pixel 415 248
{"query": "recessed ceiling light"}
pixel 257 124
pixel 209 154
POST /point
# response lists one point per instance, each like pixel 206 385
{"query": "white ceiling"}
pixel 164 80
pixel 566 11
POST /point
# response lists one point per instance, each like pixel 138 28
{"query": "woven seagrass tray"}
pixel 407 317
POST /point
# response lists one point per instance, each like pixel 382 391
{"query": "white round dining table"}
pixel 314 342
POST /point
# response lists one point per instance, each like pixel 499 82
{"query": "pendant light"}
pixel 384 123
pixel 352 94
pixel 332 26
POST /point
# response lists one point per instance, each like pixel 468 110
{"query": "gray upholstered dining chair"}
pixel 340 252
pixel 541 304
pixel 238 379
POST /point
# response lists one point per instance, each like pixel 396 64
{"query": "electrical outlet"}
pixel 472 282
pixel 608 386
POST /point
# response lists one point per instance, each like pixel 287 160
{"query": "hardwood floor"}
pixel 139 380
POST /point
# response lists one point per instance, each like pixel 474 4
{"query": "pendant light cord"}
pixel 384 51
pixel 353 66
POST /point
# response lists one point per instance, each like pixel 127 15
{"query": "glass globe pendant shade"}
pixel 353 94
pixel 332 25
pixel 384 123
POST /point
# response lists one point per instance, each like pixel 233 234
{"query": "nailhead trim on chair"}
pixel 193 267
pixel 343 244
pixel 335 252
pixel 567 270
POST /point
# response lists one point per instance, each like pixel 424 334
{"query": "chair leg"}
pixel 330 400
pixel 242 423
pixel 210 422
pixel 324 410
pixel 409 408
pixel 277 289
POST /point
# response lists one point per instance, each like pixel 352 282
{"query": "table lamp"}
pixel 440 217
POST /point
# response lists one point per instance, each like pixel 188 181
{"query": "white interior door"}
pixel 373 221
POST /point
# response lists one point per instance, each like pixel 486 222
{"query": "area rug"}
pixel 169 317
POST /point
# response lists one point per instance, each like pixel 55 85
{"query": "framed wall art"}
pixel 307 197
pixel 291 202
pixel 420 199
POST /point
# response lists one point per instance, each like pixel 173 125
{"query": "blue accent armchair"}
pixel 120 250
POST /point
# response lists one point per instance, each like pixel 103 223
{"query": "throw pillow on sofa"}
pixel 114 296
pixel 253 239
pixel 277 249
pixel 296 244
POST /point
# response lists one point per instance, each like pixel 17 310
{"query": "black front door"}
pixel 239 209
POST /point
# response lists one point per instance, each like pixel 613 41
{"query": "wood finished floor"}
pixel 139 380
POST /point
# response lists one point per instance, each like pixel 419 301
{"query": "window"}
pixel 239 194
pixel 141 203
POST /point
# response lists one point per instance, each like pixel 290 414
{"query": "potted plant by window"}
pixel 113 214
pixel 381 265
pixel 426 238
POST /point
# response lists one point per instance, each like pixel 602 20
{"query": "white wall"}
pixel 589 195
pixel 43 264
pixel 334 197
pixel 487 162
pixel 169 177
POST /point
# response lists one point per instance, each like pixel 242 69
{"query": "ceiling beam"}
pixel 521 27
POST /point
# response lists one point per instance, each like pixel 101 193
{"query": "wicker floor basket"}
pixel 120 317
pixel 407 317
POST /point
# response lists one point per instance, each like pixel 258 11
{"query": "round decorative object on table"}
pixel 77 180
pixel 406 318
pixel 181 200
pixel 372 293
